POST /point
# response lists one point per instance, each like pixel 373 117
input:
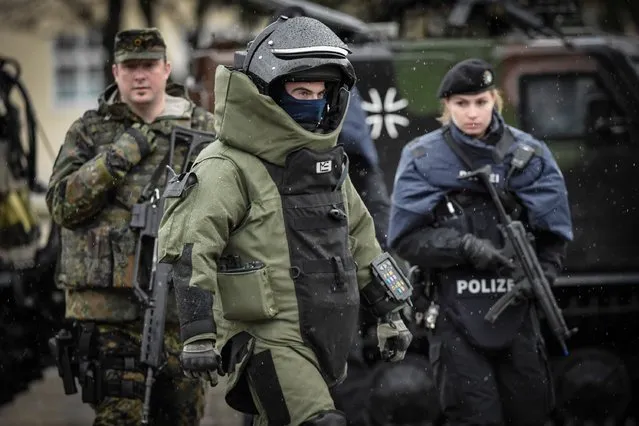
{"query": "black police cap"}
pixel 467 77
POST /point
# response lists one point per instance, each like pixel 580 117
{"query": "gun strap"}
pixel 507 140
pixel 196 117
pixel 457 149
pixel 155 178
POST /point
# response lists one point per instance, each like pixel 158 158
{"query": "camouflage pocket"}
pixel 71 268
pixel 123 245
pixel 98 257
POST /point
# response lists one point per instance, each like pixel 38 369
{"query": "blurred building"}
pixel 62 60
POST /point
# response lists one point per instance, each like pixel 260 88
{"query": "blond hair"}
pixel 444 118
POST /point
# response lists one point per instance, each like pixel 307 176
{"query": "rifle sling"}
pixel 155 178
pixel 457 149
pixel 503 145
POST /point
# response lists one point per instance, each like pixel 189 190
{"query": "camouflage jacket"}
pixel 93 207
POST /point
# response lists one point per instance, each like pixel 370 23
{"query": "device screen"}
pixel 393 281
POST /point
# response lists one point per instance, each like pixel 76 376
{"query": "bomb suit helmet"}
pixel 300 49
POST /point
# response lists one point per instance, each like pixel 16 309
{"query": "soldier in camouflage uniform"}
pixel 108 156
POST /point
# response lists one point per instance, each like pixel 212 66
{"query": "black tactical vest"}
pixel 466 294
pixel 322 266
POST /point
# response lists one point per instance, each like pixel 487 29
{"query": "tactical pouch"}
pixel 62 347
pixel 246 294
pixel 100 257
pixel 74 353
pixel 96 385
pixel 91 367
pixel 91 383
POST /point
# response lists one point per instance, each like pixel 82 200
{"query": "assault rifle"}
pixel 527 257
pixel 146 217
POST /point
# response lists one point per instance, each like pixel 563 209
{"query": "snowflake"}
pixel 382 115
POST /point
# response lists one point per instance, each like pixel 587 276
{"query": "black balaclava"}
pixel 307 112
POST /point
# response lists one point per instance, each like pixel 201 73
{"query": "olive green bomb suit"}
pixel 274 197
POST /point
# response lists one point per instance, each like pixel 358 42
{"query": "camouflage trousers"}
pixel 175 399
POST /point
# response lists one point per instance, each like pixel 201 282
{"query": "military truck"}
pixel 580 94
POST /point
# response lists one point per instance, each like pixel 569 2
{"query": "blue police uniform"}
pixel 486 374
pixel 429 169
pixel 355 134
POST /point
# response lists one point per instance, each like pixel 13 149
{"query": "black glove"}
pixel 393 338
pixel 482 254
pixel 522 286
pixel 200 359
pixel 523 289
pixel 131 147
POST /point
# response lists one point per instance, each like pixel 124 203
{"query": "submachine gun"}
pixel 527 257
pixel 146 218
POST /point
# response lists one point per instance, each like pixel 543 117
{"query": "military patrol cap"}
pixel 467 77
pixel 144 43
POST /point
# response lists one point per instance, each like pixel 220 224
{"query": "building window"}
pixel 79 64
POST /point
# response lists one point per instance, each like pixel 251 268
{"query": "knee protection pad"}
pixel 327 418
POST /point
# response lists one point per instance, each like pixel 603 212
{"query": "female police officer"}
pixel 486 373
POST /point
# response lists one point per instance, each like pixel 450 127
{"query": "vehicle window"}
pixel 554 106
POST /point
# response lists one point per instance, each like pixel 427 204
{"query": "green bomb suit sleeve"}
pixel 361 230
pixel 193 233
pixel 365 249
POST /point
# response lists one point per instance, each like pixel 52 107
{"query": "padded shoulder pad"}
pixel 180 184
pixel 417 151
pixel 418 147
